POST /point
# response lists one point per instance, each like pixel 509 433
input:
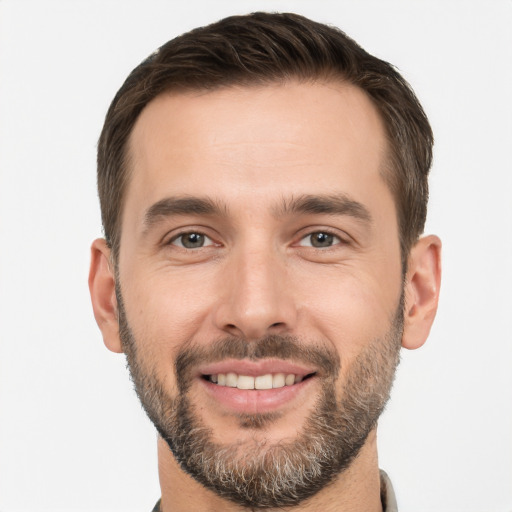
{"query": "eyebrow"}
pixel 334 204
pixel 171 206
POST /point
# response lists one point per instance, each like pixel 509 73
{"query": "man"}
pixel 263 185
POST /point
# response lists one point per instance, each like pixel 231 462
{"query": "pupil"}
pixel 322 240
pixel 192 240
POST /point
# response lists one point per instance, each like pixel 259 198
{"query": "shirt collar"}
pixel 387 494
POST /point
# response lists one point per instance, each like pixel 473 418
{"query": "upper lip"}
pixel 255 368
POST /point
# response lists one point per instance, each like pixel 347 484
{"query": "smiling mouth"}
pixel 259 382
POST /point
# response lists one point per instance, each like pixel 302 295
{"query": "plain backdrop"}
pixel 72 434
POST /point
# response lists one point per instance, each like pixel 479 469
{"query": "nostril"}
pixel 254 331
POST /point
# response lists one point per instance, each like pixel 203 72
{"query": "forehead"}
pixel 266 141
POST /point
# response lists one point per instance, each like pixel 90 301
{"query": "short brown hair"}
pixel 264 48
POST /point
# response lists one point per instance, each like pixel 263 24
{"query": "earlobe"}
pixel 421 291
pixel 103 294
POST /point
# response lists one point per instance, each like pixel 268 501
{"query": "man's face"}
pixel 260 249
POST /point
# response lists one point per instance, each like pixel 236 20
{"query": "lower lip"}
pixel 255 401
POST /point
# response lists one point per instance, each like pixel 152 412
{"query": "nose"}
pixel 257 295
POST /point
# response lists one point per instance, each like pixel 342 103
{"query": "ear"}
pixel 421 290
pixel 103 294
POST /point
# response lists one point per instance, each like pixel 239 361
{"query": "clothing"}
pixel 387 495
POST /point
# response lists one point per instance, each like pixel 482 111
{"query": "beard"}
pixel 258 473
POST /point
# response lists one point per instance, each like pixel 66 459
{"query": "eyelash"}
pixel 189 233
pixel 338 240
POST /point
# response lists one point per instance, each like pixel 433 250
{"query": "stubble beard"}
pixel 258 473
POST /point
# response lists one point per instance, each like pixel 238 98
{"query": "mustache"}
pixel 271 346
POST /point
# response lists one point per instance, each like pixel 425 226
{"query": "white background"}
pixel 72 434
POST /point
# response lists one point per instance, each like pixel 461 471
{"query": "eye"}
pixel 320 239
pixel 192 240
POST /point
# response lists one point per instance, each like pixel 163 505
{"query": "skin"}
pixel 251 150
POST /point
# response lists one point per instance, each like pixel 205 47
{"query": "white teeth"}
pixel 245 382
pixel 263 381
pixel 267 381
pixel 290 380
pixel 278 380
pixel 231 380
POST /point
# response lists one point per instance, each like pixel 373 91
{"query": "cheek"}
pixel 166 309
pixel 352 308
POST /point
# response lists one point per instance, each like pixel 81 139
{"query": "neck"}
pixel 357 489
